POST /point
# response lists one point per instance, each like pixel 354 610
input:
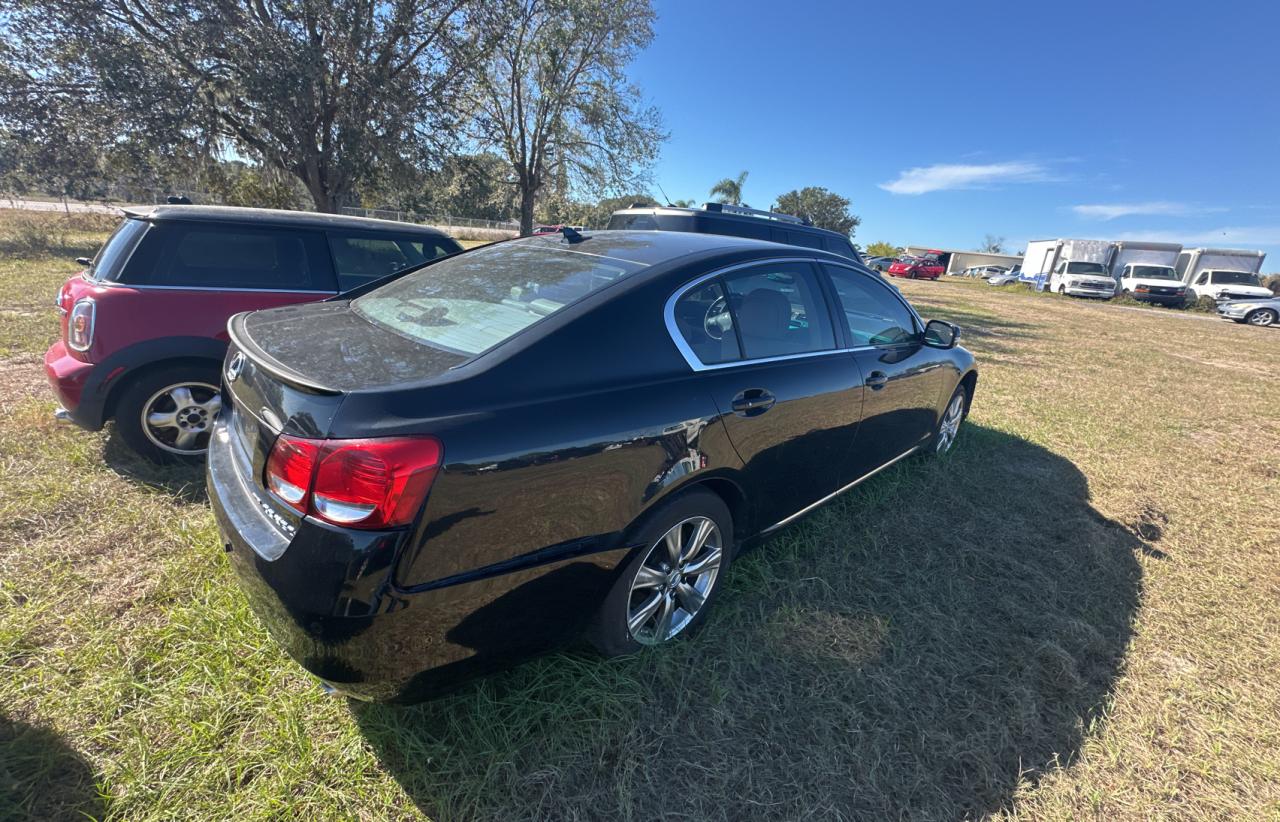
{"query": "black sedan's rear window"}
pixel 472 302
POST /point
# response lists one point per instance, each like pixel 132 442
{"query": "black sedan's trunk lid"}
pixel 289 370
pixel 327 346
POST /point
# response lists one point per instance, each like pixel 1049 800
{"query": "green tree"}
pixel 729 190
pixel 554 99
pixel 685 203
pixel 329 92
pixel 824 208
pixel 882 249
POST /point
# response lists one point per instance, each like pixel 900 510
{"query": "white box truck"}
pixel 1147 271
pixel 1222 273
pixel 1075 267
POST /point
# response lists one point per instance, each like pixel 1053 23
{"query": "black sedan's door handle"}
pixel 877 380
pixel 753 402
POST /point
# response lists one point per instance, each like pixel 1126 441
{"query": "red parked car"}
pixel 144 326
pixel 917 268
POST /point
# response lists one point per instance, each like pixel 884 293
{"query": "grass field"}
pixel 1075 614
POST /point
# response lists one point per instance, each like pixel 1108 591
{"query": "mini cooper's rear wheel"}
pixel 949 425
pixel 167 415
pixel 669 585
pixel 1261 317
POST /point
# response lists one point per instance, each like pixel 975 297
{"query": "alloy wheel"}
pixel 1263 317
pixel 950 423
pixel 674 580
pixel 178 418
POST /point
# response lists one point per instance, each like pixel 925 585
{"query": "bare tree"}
pixel 992 244
pixel 554 100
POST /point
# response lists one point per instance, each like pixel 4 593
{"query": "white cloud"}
pixel 1110 211
pixel 1227 236
pixel 944 176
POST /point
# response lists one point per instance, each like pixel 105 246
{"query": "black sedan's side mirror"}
pixel 83 261
pixel 940 334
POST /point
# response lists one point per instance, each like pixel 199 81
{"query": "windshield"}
pixel 1153 272
pixel 1096 269
pixel 1235 278
pixel 470 303
pixel 107 262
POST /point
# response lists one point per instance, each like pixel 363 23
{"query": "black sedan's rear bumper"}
pixel 329 600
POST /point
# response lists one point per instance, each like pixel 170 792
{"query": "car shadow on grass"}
pixel 186 482
pixel 922 647
pixel 41 778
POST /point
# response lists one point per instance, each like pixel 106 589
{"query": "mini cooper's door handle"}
pixel 877 380
pixel 753 402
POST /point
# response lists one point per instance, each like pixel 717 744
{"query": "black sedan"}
pixel 510 446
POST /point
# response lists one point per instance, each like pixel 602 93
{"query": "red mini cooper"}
pixel 144 326
pixel 917 268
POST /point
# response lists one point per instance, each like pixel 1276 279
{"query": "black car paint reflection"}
pixel 556 444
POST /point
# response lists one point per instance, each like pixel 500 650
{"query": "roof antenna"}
pixel 572 235
pixel 663 193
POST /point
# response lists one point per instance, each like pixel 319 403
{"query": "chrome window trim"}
pixel 673 330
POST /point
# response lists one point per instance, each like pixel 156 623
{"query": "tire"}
pixel 1062 289
pixel 158 392
pixel 1261 317
pixel 944 436
pixel 611 632
pixel 1126 293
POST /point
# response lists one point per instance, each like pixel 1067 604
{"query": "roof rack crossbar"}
pixel 726 208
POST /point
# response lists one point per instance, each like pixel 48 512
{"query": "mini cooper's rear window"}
pixel 472 302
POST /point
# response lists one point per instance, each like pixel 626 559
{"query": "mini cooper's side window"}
pixel 208 255
pixel 703 318
pixel 357 259
pixel 779 310
pixel 875 316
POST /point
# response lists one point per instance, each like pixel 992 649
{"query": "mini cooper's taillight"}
pixel 369 483
pixel 80 325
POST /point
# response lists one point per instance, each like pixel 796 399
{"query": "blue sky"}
pixel 945 121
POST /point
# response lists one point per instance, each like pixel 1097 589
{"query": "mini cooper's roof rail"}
pixel 743 211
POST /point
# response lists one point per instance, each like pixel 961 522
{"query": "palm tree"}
pixel 684 203
pixel 729 190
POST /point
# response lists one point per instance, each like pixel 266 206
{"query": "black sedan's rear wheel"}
pixel 669 585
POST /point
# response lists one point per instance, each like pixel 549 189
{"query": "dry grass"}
pixel 1076 614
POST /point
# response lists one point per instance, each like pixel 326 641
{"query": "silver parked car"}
pixel 1259 311
pixel 984 272
pixel 1004 279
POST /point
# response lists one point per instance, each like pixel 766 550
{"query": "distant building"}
pixel 956 260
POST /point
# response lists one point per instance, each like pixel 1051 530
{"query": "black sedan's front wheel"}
pixel 670 583
pixel 949 425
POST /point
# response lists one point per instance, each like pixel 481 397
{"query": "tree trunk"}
pixel 527 193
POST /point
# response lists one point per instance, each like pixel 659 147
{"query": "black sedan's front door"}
pixel 789 399
pixel 904 378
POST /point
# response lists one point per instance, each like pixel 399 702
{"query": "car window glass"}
pixel 106 263
pixel 359 259
pixel 212 256
pixel 471 302
pixel 1202 279
pixel 874 314
pixel 703 319
pixel 804 239
pixel 779 310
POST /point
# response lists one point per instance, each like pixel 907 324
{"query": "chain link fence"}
pixel 430 219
